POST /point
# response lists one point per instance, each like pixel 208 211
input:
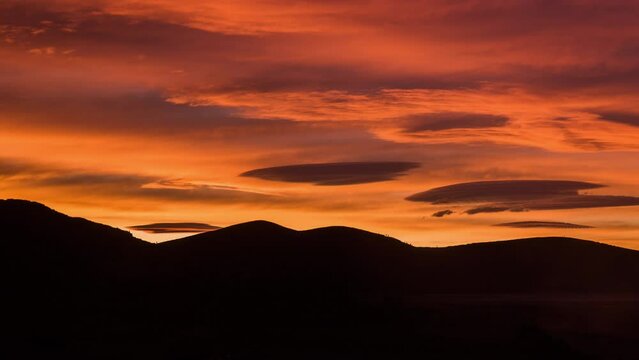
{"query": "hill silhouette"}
pixel 258 290
pixel 40 240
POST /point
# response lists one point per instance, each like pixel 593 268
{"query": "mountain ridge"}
pixel 258 290
pixel 22 206
pixel 375 261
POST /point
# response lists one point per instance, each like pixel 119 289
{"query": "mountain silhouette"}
pixel 257 290
pixel 36 238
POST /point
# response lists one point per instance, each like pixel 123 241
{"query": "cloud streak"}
pixel 170 228
pixel 332 174
pixel 501 191
pixel 451 120
pixel 521 195
pixel 621 117
pixel 127 185
pixel 543 224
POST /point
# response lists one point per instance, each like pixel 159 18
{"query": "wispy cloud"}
pixel 127 185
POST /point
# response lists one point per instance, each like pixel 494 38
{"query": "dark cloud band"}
pixel 168 228
pixel 345 173
pixel 442 213
pixel 505 190
pixel 522 195
pixel 621 117
pixel 451 120
pixel 543 224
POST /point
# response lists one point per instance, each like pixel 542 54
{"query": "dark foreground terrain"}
pixel 76 289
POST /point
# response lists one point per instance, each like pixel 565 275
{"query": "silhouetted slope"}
pixel 34 223
pixel 328 261
pixel 61 273
pixel 536 265
pixel 552 264
pixel 33 234
pixel 77 289
pixel 263 249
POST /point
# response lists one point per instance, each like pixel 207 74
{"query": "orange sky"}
pixel 135 112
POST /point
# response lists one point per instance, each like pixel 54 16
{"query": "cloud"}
pixel 490 209
pixel 343 173
pixel 451 120
pixel 442 213
pixel 93 179
pixel 560 203
pixel 354 79
pixel 315 105
pixel 133 186
pixel 10 167
pixel 239 17
pixel 167 228
pixel 621 117
pixel 498 191
pixel 543 224
pixel 114 185
pixel 239 70
pixel 522 195
pixel 583 142
pixel 142 111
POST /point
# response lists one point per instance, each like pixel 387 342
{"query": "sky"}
pixel 437 122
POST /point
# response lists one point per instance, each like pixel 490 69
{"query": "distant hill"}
pixel 38 239
pixel 259 290
pixel 557 265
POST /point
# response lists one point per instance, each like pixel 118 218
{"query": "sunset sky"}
pixel 437 122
